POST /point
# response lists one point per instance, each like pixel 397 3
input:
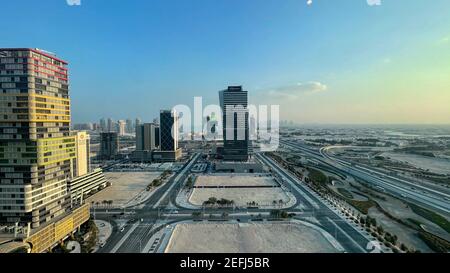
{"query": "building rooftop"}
pixel 234 88
pixel 36 50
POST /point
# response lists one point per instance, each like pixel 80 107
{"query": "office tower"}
pixel 252 127
pixel 109 145
pixel 111 126
pixel 81 163
pixel 129 127
pixel 211 127
pixel 168 130
pixel 140 138
pixel 103 126
pixel 168 137
pixel 36 148
pixel 146 137
pixel 157 137
pixel 137 122
pixel 121 127
pixel 234 102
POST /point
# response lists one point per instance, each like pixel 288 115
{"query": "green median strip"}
pixel 431 216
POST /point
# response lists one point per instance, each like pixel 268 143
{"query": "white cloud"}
pixel 296 90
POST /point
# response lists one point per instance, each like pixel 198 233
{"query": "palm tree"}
pixel 280 202
pixel 380 230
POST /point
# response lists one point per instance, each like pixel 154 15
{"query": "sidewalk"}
pixel 104 232
pixel 182 199
pixel 144 195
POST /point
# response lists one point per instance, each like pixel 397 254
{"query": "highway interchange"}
pixel 161 209
pixel 423 196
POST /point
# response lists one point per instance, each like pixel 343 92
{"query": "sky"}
pixel 335 61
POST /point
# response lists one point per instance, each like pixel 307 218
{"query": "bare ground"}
pixel 247 238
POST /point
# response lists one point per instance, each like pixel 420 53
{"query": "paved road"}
pixel 398 187
pixel 136 234
pixel 347 234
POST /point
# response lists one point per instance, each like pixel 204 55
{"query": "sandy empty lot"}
pixel 247 238
pixel 437 165
pixel 125 186
pixel 234 180
pixel 240 196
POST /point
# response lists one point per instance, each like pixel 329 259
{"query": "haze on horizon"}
pixel 339 62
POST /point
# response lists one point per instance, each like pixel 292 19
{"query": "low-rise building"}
pixel 166 156
pixel 83 185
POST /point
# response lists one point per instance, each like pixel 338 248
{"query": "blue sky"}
pixel 324 63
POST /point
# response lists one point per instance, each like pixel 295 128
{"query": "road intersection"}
pixel 161 209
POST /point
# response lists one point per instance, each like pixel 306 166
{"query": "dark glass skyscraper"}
pixel 109 145
pixel 168 138
pixel 168 120
pixel 234 103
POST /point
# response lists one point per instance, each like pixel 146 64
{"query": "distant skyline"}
pixel 337 61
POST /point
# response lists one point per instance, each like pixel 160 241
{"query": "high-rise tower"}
pixel 234 103
pixel 36 147
pixel 168 137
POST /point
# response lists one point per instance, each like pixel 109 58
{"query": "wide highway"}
pixel 401 188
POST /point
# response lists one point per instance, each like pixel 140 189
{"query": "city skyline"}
pixel 224 128
pixel 389 69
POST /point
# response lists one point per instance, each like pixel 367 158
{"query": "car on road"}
pixel 122 229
